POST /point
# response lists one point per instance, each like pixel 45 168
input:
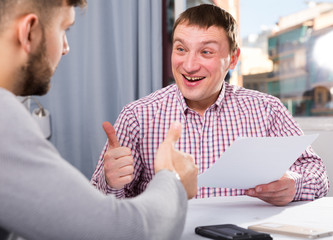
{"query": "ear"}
pixel 29 32
pixel 234 59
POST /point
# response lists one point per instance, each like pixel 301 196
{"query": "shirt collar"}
pixel 181 100
pixel 217 104
pixel 219 101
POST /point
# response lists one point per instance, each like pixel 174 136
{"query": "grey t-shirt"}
pixel 43 197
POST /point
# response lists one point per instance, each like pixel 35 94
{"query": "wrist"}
pixel 176 174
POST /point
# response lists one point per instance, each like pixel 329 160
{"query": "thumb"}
pixel 173 133
pixel 111 134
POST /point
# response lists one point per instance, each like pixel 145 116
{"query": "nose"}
pixel 65 48
pixel 191 63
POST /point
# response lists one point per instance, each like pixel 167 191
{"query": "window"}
pixel 289 58
pixel 298 46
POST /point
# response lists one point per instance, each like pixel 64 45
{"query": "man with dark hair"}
pixel 42 195
pixel 213 114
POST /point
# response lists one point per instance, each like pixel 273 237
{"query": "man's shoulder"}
pixel 241 93
pixel 154 99
pixel 11 103
pixel 5 94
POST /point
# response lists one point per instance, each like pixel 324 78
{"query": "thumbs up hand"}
pixel 118 161
pixel 168 157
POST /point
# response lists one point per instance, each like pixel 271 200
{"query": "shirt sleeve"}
pixel 308 171
pixel 310 177
pixel 127 130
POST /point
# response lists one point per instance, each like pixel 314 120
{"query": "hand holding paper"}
pixel 279 193
pixel 250 161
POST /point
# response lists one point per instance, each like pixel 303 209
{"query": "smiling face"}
pixel 200 61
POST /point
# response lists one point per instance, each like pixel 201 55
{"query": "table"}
pixel 244 211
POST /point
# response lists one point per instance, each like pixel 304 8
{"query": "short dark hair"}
pixel 42 7
pixel 207 15
pixel 74 3
pixel 45 3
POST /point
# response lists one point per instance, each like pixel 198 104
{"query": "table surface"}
pixel 244 211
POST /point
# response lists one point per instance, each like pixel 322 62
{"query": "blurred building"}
pixel 256 66
pixel 300 51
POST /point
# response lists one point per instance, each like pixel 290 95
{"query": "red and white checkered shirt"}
pixel 142 126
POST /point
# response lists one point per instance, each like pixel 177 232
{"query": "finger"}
pixel 119 182
pixel 113 164
pixel 119 152
pixel 125 179
pixel 275 186
pixel 173 133
pixel 190 157
pixel 250 192
pixel 254 193
pixel 111 134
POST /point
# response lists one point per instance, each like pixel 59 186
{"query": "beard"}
pixel 36 74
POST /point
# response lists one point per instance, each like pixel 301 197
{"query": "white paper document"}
pixel 251 161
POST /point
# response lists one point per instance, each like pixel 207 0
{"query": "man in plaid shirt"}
pixel 213 114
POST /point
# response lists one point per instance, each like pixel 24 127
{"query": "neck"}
pixel 200 106
pixel 7 77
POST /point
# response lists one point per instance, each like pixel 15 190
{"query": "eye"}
pixel 180 49
pixel 206 52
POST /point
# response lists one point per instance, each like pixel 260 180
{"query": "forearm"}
pixel 162 207
pixel 308 171
pixel 158 213
pixel 63 205
pixel 310 177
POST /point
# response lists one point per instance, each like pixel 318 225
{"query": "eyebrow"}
pixel 203 43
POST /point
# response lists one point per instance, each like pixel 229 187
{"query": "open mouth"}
pixel 193 79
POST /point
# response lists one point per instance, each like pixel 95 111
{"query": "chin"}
pixel 44 89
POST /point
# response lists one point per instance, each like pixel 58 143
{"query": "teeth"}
pixel 193 78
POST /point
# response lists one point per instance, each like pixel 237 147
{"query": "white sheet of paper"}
pixel 251 161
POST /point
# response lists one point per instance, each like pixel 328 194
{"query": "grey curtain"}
pixel 115 58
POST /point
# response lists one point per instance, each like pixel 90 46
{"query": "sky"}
pixel 257 13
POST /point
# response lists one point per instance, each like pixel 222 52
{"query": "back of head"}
pixel 207 15
pixel 43 8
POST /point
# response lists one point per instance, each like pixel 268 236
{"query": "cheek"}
pixel 214 67
pixel 218 67
pixel 55 49
pixel 176 60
